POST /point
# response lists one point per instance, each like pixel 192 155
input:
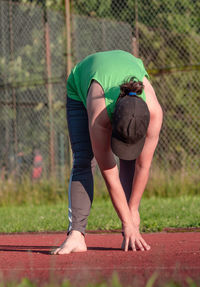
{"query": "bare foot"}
pixel 75 242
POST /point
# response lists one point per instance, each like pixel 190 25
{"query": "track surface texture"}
pixel 174 256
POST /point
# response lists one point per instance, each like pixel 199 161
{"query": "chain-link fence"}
pixel 32 91
pixel 33 65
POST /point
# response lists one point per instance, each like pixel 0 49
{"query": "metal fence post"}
pixel 68 32
pixel 69 60
pixel 136 51
pixel 49 90
pixel 14 100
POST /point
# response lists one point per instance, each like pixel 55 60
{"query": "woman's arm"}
pixel 100 133
pixel 143 162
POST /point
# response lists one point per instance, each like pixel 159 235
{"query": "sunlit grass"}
pixel 114 281
pixel 47 191
pixel 156 214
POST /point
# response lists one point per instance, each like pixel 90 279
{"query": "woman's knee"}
pixel 83 165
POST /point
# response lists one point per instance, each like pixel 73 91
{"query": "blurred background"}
pixel 41 40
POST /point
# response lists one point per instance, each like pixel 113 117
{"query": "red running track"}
pixel 173 256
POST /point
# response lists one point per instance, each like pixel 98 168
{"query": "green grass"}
pixel 156 214
pixel 166 183
pixel 26 192
pixel 161 184
pixel 112 282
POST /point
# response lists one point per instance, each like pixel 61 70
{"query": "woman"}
pixel 111 108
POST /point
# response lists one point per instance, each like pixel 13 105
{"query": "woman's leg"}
pixel 126 175
pixel 127 170
pixel 80 190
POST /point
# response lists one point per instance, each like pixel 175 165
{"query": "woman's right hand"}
pixel 133 238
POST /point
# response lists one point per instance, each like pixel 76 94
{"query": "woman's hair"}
pixel 133 85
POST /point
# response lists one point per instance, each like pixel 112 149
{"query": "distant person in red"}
pixel 37 165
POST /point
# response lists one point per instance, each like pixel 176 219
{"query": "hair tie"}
pixel 132 94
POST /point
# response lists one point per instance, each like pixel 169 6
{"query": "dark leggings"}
pixel 80 192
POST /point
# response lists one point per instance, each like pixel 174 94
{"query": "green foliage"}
pixel 114 282
pixel 156 214
pixel 161 184
pixel 164 183
pixel 53 4
pixel 168 38
pixel 169 41
pixel 27 192
pixel 152 279
pixel 24 76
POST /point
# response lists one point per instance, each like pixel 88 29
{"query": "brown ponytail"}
pixel 133 85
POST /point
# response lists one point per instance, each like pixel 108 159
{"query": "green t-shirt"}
pixel 110 69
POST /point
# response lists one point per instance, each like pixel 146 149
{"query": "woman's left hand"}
pixel 136 220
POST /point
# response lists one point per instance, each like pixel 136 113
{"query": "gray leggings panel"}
pixel 81 184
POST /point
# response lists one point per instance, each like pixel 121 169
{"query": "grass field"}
pixel 156 214
pixel 161 183
pixel 114 282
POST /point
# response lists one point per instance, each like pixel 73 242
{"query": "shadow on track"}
pixel 26 248
pixel 45 249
